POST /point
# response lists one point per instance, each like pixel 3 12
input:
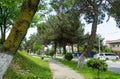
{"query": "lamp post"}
pixel 99 43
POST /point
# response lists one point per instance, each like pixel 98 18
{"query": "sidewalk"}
pixel 62 72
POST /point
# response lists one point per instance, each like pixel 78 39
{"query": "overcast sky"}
pixel 107 30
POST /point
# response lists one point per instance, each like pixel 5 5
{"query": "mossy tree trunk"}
pixel 20 26
pixel 17 33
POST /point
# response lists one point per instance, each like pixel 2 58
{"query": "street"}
pixel 113 66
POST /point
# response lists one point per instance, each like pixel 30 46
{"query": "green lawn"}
pixel 25 66
pixel 89 73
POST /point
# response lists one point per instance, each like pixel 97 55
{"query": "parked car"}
pixel 107 56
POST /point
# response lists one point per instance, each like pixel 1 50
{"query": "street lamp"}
pixel 99 43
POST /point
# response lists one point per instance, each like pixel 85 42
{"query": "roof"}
pixel 112 41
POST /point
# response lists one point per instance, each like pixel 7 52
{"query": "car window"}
pixel 101 54
pixel 110 54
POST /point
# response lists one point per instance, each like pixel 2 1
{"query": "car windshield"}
pixel 110 54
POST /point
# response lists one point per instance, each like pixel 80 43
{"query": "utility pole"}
pixel 99 43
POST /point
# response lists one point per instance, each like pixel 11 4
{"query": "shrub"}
pixel 98 64
pixel 51 52
pixel 68 56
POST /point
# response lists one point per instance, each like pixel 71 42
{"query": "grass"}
pixel 89 73
pixel 25 66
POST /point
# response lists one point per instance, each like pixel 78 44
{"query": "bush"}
pixel 51 52
pixel 68 56
pixel 98 64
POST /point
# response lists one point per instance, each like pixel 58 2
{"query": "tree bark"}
pixel 64 49
pixel 92 37
pixel 17 33
pixel 72 48
pixel 20 26
pixel 5 60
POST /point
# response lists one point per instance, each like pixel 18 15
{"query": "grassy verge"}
pixel 89 73
pixel 25 66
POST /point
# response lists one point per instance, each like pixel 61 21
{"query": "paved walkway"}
pixel 62 72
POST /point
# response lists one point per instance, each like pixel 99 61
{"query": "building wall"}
pixel 115 46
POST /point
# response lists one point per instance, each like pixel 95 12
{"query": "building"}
pixel 113 44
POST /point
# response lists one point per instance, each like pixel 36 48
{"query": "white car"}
pixel 106 56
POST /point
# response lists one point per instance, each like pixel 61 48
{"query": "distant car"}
pixel 106 56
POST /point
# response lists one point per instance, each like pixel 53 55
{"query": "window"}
pixel 118 45
pixel 113 45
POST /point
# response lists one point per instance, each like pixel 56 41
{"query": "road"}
pixel 113 66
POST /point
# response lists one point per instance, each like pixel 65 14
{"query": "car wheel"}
pixel 117 58
pixel 106 59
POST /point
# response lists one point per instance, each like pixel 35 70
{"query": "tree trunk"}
pixel 17 33
pixel 91 39
pixel 5 60
pixel 72 48
pixel 64 49
pixel 1 29
pixel 20 26
pixel 78 50
pixel 55 49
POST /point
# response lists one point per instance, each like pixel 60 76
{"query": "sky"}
pixel 107 30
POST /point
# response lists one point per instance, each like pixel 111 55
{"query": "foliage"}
pixel 98 64
pixel 51 52
pixel 114 11
pixel 61 28
pixel 107 49
pixel 88 73
pixel 82 7
pixel 93 11
pixel 68 56
pixel 9 10
pixel 25 66
pixel 36 46
pixel 98 40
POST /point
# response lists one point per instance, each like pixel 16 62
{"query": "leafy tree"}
pixel 62 30
pixel 18 31
pixel 20 26
pixel 98 40
pixel 93 12
pixel 107 49
pixel 8 13
pixel 37 46
pixel 114 11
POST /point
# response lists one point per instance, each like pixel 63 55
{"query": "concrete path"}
pixel 62 72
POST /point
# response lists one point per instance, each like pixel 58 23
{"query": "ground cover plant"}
pixel 25 66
